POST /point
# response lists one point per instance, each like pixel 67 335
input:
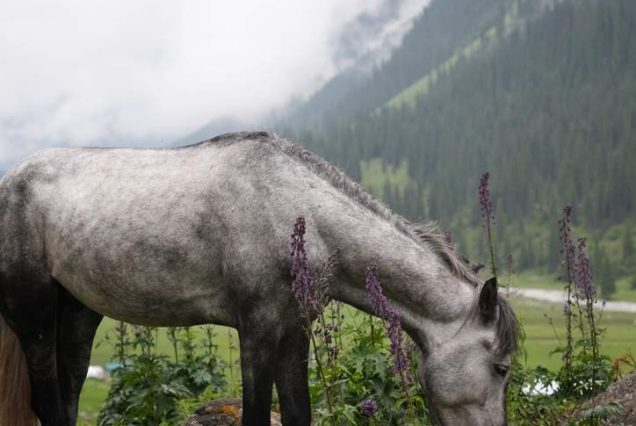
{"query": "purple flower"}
pixel 584 283
pixel 567 246
pixel 487 209
pixel 378 301
pixel 392 317
pixel 302 285
pixel 566 308
pixel 394 330
pixel 310 290
pixel 368 407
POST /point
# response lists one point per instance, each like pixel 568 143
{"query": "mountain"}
pixel 444 27
pixel 540 93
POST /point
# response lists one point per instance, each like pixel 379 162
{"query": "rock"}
pixel 623 394
pixel 223 412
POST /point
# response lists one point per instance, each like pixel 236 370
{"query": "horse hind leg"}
pixel 29 306
pixel 76 329
pixel 15 389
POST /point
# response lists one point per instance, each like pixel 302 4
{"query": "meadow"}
pixel 542 321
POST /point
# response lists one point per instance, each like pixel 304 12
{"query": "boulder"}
pixel 621 394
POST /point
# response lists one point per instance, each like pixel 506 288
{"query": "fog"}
pixel 76 73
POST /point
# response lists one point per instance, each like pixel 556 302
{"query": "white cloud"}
pixel 76 72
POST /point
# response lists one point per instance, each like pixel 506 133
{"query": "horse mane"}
pixel 506 328
pixel 427 235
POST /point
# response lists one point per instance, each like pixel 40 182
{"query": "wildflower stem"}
pixel 488 217
pixel 568 251
pixel 391 322
pixel 172 336
pixel 319 367
pixel 493 267
pixel 231 349
pixel 122 331
pixel 331 361
pixel 311 292
pixel 594 341
pixel 372 331
pixel 568 332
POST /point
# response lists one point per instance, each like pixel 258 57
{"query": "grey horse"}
pixel 199 234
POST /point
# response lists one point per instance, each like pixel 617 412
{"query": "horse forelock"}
pixel 427 235
pixel 506 328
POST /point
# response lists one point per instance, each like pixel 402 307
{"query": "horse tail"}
pixel 15 388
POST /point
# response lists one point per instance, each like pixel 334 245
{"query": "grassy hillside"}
pixel 516 15
pixel 445 27
pixel 409 96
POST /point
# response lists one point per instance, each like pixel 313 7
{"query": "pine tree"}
pixel 605 276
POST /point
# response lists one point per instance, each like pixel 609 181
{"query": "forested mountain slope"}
pixel 549 109
pixel 445 27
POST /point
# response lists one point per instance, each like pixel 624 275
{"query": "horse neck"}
pixel 433 302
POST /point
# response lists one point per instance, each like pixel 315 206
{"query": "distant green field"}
pixel 542 338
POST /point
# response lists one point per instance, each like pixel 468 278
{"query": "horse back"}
pixel 155 236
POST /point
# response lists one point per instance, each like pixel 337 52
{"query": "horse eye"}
pixel 501 369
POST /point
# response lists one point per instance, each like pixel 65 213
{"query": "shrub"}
pixel 147 385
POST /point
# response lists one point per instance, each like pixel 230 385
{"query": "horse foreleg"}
pixel 258 344
pixel 291 378
pixel 76 330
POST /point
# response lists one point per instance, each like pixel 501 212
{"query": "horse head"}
pixel 464 377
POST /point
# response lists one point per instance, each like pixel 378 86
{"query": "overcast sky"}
pixel 135 72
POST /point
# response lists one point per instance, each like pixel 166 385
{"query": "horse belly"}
pixel 143 276
pixel 166 299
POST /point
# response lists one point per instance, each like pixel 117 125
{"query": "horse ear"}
pixel 488 300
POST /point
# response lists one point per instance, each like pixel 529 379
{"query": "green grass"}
pixel 93 396
pixel 542 338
